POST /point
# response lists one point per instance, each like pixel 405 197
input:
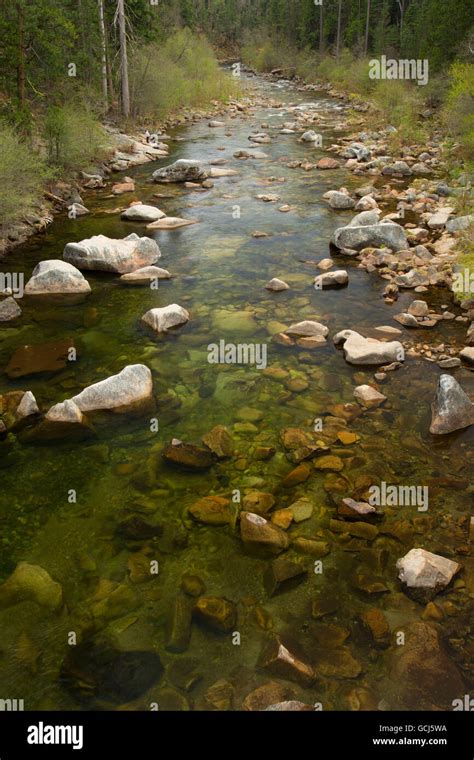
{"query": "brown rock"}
pixel 178 632
pixel 311 546
pixel 212 510
pixel 327 163
pixel 357 529
pixel 217 613
pixel 219 441
pixel 219 696
pixel 264 696
pixel 260 534
pixel 376 625
pixel 282 575
pixel 280 658
pixel 258 502
pixel 296 476
pixel 187 456
pixel 329 462
pixel 45 357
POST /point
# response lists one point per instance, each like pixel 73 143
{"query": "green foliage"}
pixel 22 176
pixel 74 137
pixel 181 72
pixel 459 108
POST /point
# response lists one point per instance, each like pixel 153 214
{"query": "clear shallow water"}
pixel 217 265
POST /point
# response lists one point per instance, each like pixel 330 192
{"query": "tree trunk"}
pixel 338 39
pixel 321 28
pixel 21 75
pixel 366 46
pixel 105 91
pixel 123 59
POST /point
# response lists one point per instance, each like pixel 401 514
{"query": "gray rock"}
pixel 411 279
pixel 277 285
pixel 460 223
pixel 407 320
pixel 166 317
pixel 365 218
pixel 451 409
pixel 418 309
pixel 27 406
pixel 368 397
pixel 9 310
pixel 389 235
pixel 400 168
pixel 110 255
pixel 140 212
pixel 183 170
pixel 55 276
pixel 338 200
pixel 145 276
pixel 309 136
pixel 130 389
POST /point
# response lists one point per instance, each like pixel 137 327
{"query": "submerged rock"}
pixel 339 200
pixel 56 276
pixel 145 276
pixel 129 390
pixel 219 441
pixel 212 510
pixel 183 170
pixel 110 255
pixel 217 613
pixel 424 676
pixel 260 534
pixel 164 318
pixel 263 696
pixel 171 223
pixel 187 456
pixel 307 329
pixel 31 583
pixel 280 658
pixel 35 359
pixel 425 574
pixel 451 409
pixel 96 671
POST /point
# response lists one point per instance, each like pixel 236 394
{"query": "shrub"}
pixel 74 137
pixel 22 175
pixel 181 72
pixel 459 109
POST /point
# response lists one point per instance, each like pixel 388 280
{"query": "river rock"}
pixel 360 350
pixel 56 276
pixel 183 170
pixel 335 279
pixel 178 629
pixel 411 279
pixel 451 409
pixel 398 168
pixel 164 318
pixel 219 441
pixel 129 390
pixel 282 575
pixel 187 456
pixel 425 574
pixel 277 285
pixel 327 163
pixel 368 396
pixel 93 670
pixel 9 310
pixel 145 276
pixel 35 359
pixel 375 623
pixel 339 200
pixel 212 510
pixel 140 212
pixel 217 613
pixel 31 583
pixel 258 533
pixel 171 223
pixel 467 354
pixel 307 329
pixel 418 309
pixel 388 235
pixel 268 694
pixel 460 223
pixel 309 136
pixel 289 705
pixel 258 502
pixel 406 319
pixel 27 406
pixel 109 255
pixel 423 675
pixel 280 658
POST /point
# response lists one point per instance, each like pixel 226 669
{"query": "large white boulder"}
pixel 140 212
pixel 56 276
pixel 129 389
pixel 421 570
pixel 360 350
pixel 109 255
pixel 451 409
pixel 383 235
